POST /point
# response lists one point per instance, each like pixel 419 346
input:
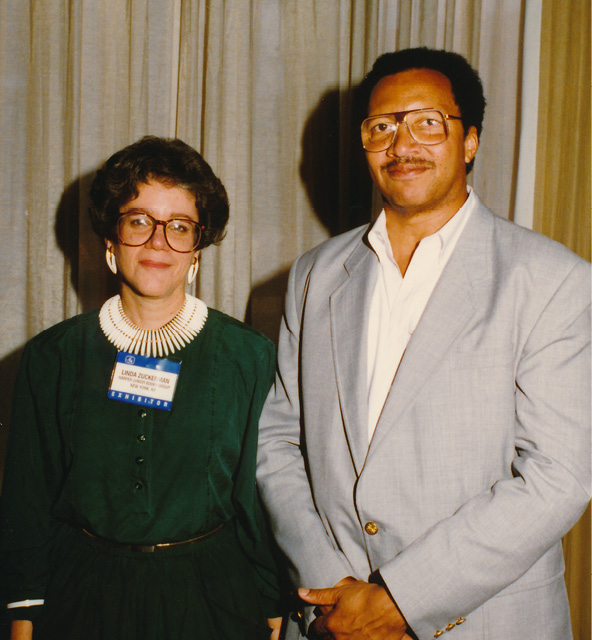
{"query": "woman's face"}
pixel 154 270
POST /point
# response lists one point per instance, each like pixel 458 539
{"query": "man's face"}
pixel 415 178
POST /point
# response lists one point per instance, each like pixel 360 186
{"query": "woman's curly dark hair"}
pixel 464 81
pixel 166 160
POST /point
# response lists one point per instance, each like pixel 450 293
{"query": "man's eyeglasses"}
pixel 426 126
pixel 135 229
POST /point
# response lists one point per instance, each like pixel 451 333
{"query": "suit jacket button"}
pixel 438 633
pixel 371 528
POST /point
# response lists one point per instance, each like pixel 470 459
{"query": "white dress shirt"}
pixel 398 302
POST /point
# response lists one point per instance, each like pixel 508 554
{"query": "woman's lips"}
pixel 154 264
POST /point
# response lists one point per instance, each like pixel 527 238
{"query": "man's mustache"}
pixel 410 161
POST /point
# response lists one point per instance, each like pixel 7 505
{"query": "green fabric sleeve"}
pixel 253 531
pixel 33 464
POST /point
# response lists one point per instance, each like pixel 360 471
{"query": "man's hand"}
pixel 355 609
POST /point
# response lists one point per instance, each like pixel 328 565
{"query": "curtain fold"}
pixel 562 188
pixel 562 204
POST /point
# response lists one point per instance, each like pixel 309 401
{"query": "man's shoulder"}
pixel 331 253
pixel 517 245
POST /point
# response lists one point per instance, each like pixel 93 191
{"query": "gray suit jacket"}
pixel 480 461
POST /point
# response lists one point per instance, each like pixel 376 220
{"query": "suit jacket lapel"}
pixel 446 313
pixel 349 327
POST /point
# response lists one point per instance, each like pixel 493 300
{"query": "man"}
pixel 427 441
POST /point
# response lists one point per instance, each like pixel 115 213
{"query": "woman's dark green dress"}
pixel 139 475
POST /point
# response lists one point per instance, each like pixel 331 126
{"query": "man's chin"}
pixel 408 199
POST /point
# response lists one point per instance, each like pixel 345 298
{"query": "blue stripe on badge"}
pixel 144 401
pixel 159 364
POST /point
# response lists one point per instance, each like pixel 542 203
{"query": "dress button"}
pixel 450 626
pixel 371 528
pixel 139 485
pixel 141 437
pixel 438 633
pixel 139 460
pixel 461 620
pixel 142 413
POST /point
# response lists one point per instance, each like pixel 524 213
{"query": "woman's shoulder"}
pixel 237 334
pixel 65 332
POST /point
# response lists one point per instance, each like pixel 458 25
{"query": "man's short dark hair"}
pixel 171 162
pixel 464 80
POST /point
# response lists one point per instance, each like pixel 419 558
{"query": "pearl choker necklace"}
pixel 171 337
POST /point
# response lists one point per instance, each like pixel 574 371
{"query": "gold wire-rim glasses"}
pixel 419 130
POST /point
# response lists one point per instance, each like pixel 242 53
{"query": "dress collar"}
pixel 171 337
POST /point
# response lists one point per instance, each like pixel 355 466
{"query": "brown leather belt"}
pixel 150 548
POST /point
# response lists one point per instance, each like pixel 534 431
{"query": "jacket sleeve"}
pixel 31 481
pixel 496 536
pixel 313 561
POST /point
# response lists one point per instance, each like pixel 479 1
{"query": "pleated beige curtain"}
pixel 264 89
pixel 563 204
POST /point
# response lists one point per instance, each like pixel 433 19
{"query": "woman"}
pixel 129 507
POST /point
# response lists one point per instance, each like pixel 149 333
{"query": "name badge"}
pixel 149 382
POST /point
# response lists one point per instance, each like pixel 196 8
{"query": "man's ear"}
pixel 471 144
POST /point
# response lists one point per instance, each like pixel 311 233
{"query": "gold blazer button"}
pixel 371 528
pixel 450 626
pixel 461 620
pixel 438 633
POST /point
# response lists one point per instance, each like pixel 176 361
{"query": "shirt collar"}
pixel 445 237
